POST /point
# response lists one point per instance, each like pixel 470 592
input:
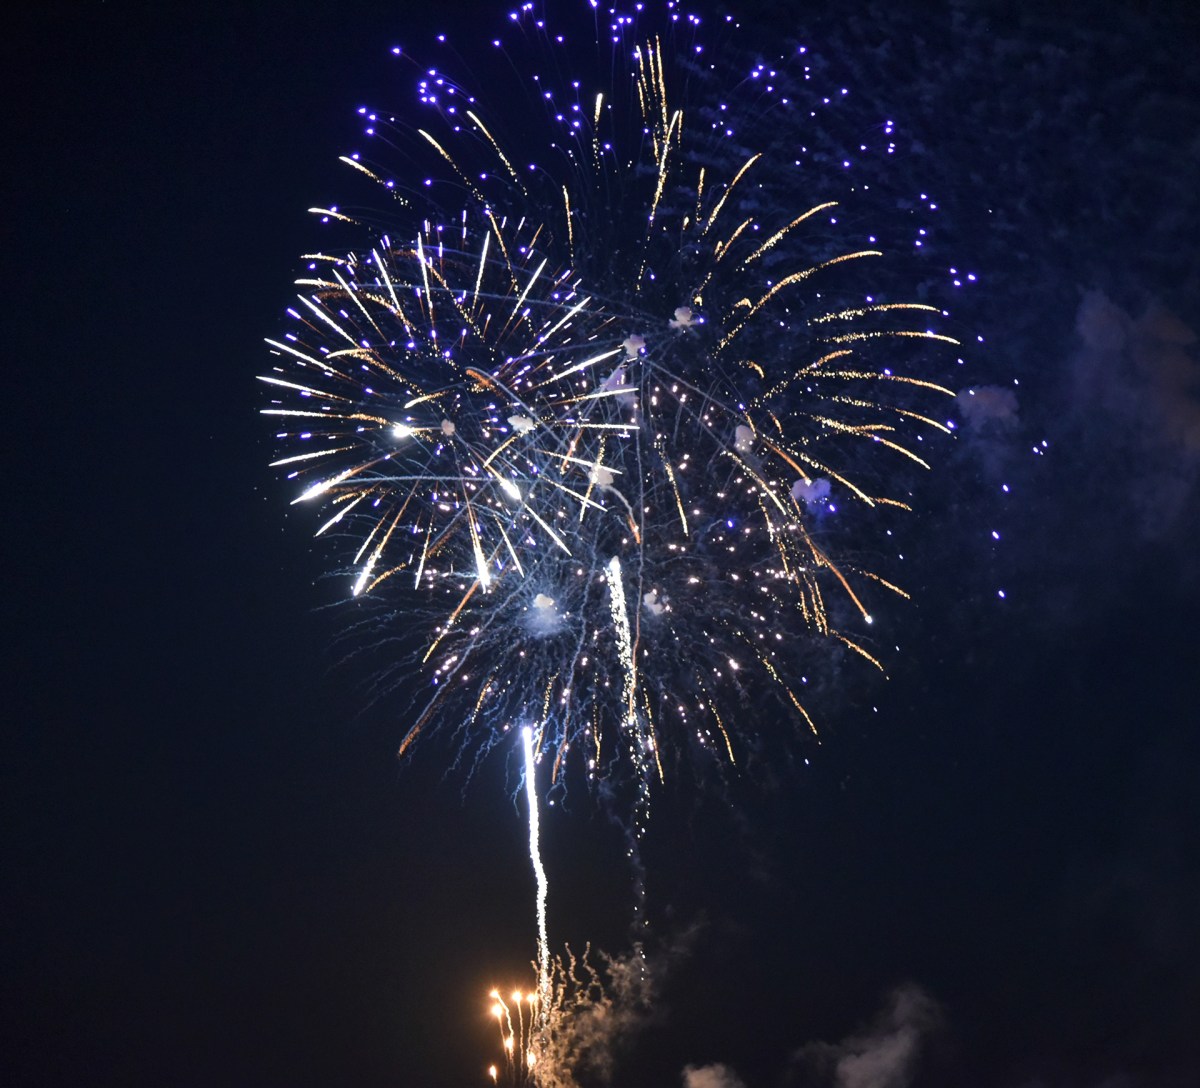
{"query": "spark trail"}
pixel 539 871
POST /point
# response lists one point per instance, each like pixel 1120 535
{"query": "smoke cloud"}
pixel 711 1076
pixel 886 1055
pixel 1136 400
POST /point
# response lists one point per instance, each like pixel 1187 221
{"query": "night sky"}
pixel 214 869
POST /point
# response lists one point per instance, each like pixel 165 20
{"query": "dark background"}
pixel 214 871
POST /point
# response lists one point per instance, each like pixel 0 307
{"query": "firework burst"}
pixel 592 425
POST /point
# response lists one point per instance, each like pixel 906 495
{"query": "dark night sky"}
pixel 215 872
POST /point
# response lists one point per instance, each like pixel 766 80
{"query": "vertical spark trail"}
pixel 640 742
pixel 620 615
pixel 539 871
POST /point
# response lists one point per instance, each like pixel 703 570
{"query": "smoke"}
pixel 1136 403
pixel 988 407
pixel 992 421
pixel 595 1010
pixel 885 1056
pixel 592 1012
pixel 711 1076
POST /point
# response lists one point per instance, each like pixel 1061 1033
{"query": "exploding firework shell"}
pixel 588 429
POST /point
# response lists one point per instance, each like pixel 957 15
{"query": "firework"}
pixel 596 410
pixel 572 1028
pixel 517 1020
